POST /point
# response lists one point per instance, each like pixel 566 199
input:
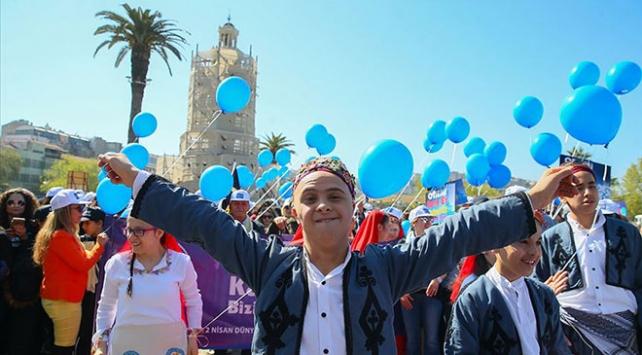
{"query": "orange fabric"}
pixel 368 233
pixel 65 267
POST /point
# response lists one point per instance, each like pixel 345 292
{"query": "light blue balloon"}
pixel 624 77
pixel 528 111
pixel 137 154
pixel 233 94
pixel 385 168
pixel 405 225
pixel 437 132
pixel 265 158
pixel 458 129
pixel 327 145
pixel 435 174
pixel 283 156
pixel 102 174
pixel 216 182
pixel 495 152
pixel 477 168
pixel 432 148
pixel 112 198
pixel 272 174
pixel 284 172
pixel 474 145
pixel 499 176
pixel 144 124
pixel 475 181
pixel 315 135
pixel 285 191
pixel 592 114
pixel 245 175
pixel 584 73
pixel 260 183
pixel 546 149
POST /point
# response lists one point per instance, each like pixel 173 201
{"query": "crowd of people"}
pixel 332 275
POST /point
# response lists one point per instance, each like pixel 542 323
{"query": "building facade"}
pixel 231 138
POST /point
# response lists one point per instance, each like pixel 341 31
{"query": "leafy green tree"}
pixel 9 166
pixel 579 152
pixel 57 174
pixel 274 142
pixel 141 32
pixel 629 189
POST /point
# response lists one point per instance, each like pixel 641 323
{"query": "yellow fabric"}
pixel 66 320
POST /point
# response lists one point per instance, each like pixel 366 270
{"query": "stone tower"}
pixel 231 139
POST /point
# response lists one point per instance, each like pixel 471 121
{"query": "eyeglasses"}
pixel 138 232
pixel 267 216
pixel 13 202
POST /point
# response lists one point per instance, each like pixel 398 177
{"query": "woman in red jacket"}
pixel 65 265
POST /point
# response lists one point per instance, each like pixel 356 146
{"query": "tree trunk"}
pixel 140 65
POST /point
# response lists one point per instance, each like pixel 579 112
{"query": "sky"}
pixel 367 70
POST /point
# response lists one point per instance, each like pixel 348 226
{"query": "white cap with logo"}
pixel 53 191
pixel 421 211
pixel 393 211
pixel 240 195
pixel 66 198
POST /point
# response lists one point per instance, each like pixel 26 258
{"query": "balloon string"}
pixel 606 165
pixel 452 157
pixel 559 209
pixel 566 139
pixel 216 115
pixel 227 309
pixel 268 190
pixel 413 200
pixel 274 202
pixel 479 190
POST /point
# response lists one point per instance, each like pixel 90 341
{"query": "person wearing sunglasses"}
pixel 147 287
pixel 65 265
pixel 18 203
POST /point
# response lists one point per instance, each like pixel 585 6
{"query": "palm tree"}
pixel 579 153
pixel 274 142
pixel 141 32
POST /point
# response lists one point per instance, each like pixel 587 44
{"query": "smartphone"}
pixel 18 221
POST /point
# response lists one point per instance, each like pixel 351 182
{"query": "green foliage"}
pixel 629 189
pixel 485 190
pixel 274 142
pixel 579 152
pixel 9 166
pixel 56 175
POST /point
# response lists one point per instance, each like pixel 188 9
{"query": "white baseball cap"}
pixel 53 191
pixel 240 195
pixel 514 189
pixel 393 211
pixel 65 198
pixel 421 211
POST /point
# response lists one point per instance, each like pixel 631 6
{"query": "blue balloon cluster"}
pixel 216 182
pixel 260 183
pixel 592 114
pixel 528 111
pixel 546 149
pixel 245 175
pixel 112 198
pixel 144 124
pixel 318 137
pixel 285 191
pixel 137 154
pixel 457 129
pixel 283 156
pixel 477 168
pixel 435 137
pixel 485 164
pixel 265 158
pixel 498 176
pixel 435 174
pixel 495 152
pixel 474 145
pixel 233 94
pixel 385 168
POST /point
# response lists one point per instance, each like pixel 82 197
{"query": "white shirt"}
pixel 155 295
pixel 520 307
pixel 323 324
pixel 596 296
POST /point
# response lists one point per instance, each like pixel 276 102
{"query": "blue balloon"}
pixel 432 148
pixel 315 135
pixel 265 158
pixel 327 145
pixel 499 176
pixel 283 156
pixel 592 114
pixel 405 225
pixel 546 149
pixel 458 129
pixel 437 132
pixel 477 167
pixel 285 191
pixel 385 168
pixel 112 198
pixel 584 73
pixel 216 182
pixel 435 174
pixel 272 174
pixel 137 154
pixel 528 111
pixel 245 175
pixel 474 145
pixel 233 94
pixel 102 174
pixel 260 183
pixel 284 172
pixel 495 152
pixel 144 124
pixel 624 77
pixel 475 181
